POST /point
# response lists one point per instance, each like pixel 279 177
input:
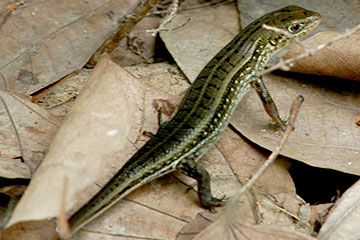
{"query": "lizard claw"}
pixel 212 203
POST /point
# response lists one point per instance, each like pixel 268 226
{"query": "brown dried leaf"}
pixel 44 41
pixel 14 168
pixel 76 151
pixel 60 97
pixel 193 45
pixel 223 230
pixel 26 132
pixel 326 132
pixel 343 220
pixel 341 59
pixel 164 106
pixel 16 190
pixel 319 212
pixel 231 227
pixel 91 138
pixel 139 47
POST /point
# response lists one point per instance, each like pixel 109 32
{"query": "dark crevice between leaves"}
pixel 338 85
pixel 161 52
pixel 11 191
pixel 319 185
pixel 6 182
pixel 163 55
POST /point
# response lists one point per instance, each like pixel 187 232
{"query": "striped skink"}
pixel 205 112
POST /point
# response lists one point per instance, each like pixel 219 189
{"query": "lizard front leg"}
pixel 268 102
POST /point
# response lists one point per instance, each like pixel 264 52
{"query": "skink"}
pixel 205 112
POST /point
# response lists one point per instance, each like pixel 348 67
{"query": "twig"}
pixel 130 21
pixel 286 64
pixel 174 28
pixel 293 114
pixel 169 18
pixel 282 209
pixel 9 9
pixel 63 225
pixel 211 3
pixel 206 4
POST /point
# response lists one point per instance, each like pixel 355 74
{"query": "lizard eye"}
pixel 295 28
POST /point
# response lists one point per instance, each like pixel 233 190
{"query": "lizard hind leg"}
pixel 194 170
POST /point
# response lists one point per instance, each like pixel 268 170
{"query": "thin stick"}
pixel 286 64
pixel 289 128
pixel 63 225
pixel 173 10
pixel 130 21
pixel 202 5
pixel 9 9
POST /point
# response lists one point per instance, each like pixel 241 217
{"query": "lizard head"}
pixel 292 21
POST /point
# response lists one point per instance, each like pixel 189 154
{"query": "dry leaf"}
pixel 26 132
pixel 326 132
pixel 60 97
pixel 93 135
pixel 228 227
pixel 139 47
pixel 341 59
pixel 44 41
pixel 319 212
pixel 193 45
pixel 243 231
pixel 343 220
pixel 14 168
pixel 80 140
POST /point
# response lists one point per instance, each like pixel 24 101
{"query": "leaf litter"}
pixel 156 202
